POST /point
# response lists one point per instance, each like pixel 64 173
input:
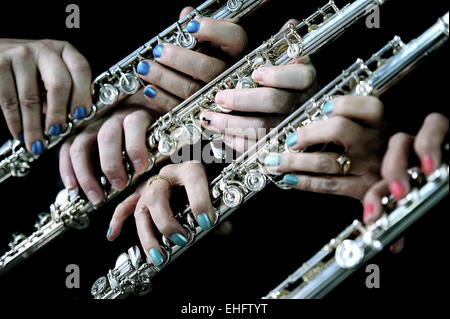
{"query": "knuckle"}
pixel 111 168
pixel 308 78
pixel 132 120
pixel 165 226
pixel 329 185
pixel 435 118
pixel 324 164
pixel 270 95
pixel 206 68
pixel 81 65
pixel 60 83
pixel 22 52
pixel 10 104
pixel 30 102
pixel 4 63
pixel 397 139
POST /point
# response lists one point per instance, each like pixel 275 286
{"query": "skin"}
pixel 150 204
pixel 64 73
pixel 176 75
pixel 356 124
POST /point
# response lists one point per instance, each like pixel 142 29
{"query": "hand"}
pixel 179 72
pixel 151 207
pixel 427 147
pixel 353 122
pixel 167 90
pixel 66 78
pixel 283 88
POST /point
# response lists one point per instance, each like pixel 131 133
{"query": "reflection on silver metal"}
pixel 108 94
pixel 349 254
pixel 129 83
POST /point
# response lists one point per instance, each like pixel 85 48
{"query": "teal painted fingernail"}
pixel 158 50
pixel 150 92
pixel 157 257
pixel 290 179
pixel 109 232
pixel 204 222
pixel 291 139
pixel 272 160
pixel 328 107
pixel 193 27
pixel 179 239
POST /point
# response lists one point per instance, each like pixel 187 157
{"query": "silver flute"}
pixel 358 243
pixel 246 176
pixel 71 209
pixel 121 80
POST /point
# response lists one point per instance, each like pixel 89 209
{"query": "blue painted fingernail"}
pixel 272 160
pixel 143 68
pixel 290 179
pixel 292 139
pixel 20 138
pixel 204 222
pixel 193 27
pixel 179 239
pixel 157 257
pixel 150 92
pixel 80 113
pixel 55 130
pixel 328 107
pixel 37 148
pixel 109 232
pixel 157 51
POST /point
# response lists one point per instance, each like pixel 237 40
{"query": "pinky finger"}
pixel 65 165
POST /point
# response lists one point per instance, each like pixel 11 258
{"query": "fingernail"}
pixel 138 165
pixel 368 210
pixel 258 76
pixel 143 68
pixel 291 140
pixel 20 138
pixel 157 51
pixel 272 160
pixel 204 222
pixel 70 182
pixel 397 190
pixel 179 239
pixel 193 27
pixel 219 98
pixel 150 92
pixel 290 179
pixel 37 148
pixel 80 113
pixel 118 183
pixel 109 232
pixel 94 197
pixel 157 257
pixel 55 130
pixel 328 107
pixel 427 164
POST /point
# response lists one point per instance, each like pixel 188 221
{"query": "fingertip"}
pixel 186 11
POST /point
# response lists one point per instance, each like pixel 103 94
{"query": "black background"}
pixel 275 232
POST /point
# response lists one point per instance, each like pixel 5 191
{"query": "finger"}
pixel 193 177
pixel 237 143
pixel 337 130
pixel 243 126
pixel 372 201
pixel 8 98
pixel 395 164
pixel 58 84
pixel 161 99
pixel 109 140
pixel 195 64
pixel 429 141
pixel 229 37
pixel 261 100
pixel 172 82
pixel 367 109
pixel 80 154
pixel 323 163
pixel 185 11
pixel 351 186
pixel 25 72
pixel 66 170
pixel 294 22
pixel 291 76
pixel 124 210
pixel 156 199
pixel 147 236
pixel 80 72
pixel 135 127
